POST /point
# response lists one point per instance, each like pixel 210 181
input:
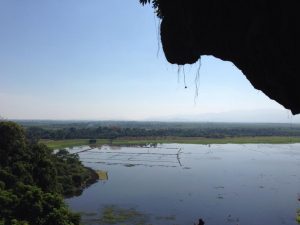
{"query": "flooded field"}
pixel 176 184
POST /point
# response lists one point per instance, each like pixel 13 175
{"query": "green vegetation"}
pixel 157 130
pixel 33 180
pixel 298 216
pixel 60 125
pixel 92 141
pixel 59 134
pixel 62 135
pixel 58 144
pixel 113 214
pixel 71 176
pixel 171 217
pixel 116 215
pixel 200 140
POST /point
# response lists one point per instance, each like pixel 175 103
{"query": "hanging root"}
pixel 184 77
pixel 157 28
pixel 178 73
pixel 197 77
pixel 197 80
pixel 158 38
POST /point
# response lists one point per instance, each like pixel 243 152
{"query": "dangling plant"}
pixel 155 5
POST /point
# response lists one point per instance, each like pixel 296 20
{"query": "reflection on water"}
pixel 178 184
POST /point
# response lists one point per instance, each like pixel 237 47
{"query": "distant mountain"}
pixel 241 116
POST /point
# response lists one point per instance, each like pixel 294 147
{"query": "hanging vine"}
pixel 155 5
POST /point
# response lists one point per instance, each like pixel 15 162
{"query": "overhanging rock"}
pixel 260 37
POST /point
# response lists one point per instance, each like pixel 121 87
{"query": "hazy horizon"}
pixel 261 116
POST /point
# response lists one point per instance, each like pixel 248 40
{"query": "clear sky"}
pixel 97 60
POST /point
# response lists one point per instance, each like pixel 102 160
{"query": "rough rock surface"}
pixel 261 37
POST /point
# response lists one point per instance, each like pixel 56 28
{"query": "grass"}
pixel 200 140
pixel 115 215
pixel 58 144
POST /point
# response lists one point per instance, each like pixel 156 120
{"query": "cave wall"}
pixel 260 37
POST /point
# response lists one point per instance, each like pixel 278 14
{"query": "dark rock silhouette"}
pixel 200 222
pixel 261 37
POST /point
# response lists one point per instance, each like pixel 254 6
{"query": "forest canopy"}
pixel 81 131
pixel 34 179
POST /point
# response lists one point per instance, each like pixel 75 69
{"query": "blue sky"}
pixel 97 60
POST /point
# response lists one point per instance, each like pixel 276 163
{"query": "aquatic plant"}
pixel 298 216
pixel 114 215
pixel 170 217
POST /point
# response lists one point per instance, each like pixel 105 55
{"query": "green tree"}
pixel 12 143
pixel 33 179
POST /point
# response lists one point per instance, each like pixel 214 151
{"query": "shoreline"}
pixel 68 143
pixel 93 178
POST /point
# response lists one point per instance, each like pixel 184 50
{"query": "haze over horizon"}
pixel 257 116
pixel 76 60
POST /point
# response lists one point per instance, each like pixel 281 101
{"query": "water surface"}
pixel 178 183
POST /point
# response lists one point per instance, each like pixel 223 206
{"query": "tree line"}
pixel 34 133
